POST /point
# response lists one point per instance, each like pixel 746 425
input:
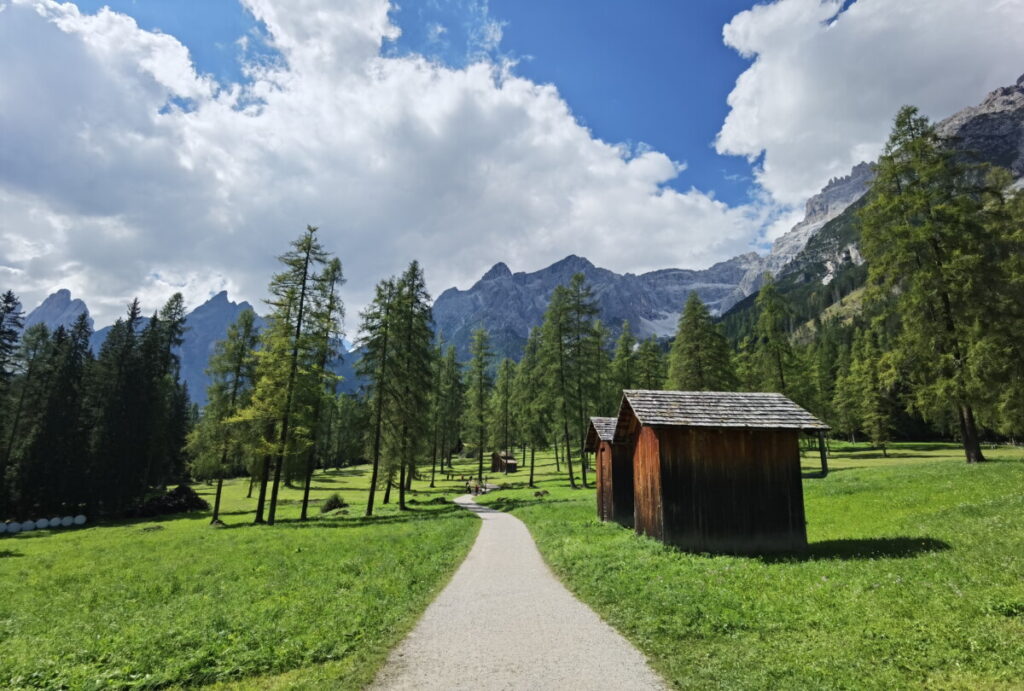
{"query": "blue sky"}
pixel 177 145
pixel 655 73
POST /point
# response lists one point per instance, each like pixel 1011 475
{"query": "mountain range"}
pixel 819 255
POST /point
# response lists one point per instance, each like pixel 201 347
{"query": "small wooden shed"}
pixel 503 462
pixel 717 471
pixel 614 467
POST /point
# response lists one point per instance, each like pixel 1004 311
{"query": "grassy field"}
pixel 914 578
pixel 172 602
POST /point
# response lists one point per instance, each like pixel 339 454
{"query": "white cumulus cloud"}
pixel 125 172
pixel 825 85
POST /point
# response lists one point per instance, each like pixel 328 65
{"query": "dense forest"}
pixel 925 339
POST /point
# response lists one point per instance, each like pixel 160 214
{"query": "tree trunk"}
pixel 401 485
pixel 309 481
pixel 264 478
pixel 558 465
pixel 969 430
pixel 532 455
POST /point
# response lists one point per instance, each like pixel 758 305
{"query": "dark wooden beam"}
pixel 824 454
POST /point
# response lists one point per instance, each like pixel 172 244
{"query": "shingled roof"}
pixel 601 429
pixel 720 409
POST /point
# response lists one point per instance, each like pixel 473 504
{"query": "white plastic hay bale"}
pixel 42 524
pixel 79 519
pixel 67 521
pixel 27 526
pixel 3 528
pixel 55 522
pixel 13 527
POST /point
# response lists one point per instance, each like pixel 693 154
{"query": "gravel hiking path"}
pixel 505 622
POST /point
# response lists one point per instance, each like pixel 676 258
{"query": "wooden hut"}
pixel 715 471
pixel 503 462
pixel 614 468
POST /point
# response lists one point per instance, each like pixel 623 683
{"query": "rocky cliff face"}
pixel 833 199
pixel 57 310
pixel 992 131
pixel 509 304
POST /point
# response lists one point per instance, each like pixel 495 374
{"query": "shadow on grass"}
pixel 506 504
pixel 5 553
pixel 864 549
pixel 410 515
pixel 818 475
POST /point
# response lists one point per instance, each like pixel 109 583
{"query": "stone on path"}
pixel 506 622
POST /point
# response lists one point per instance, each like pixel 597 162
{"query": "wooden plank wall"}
pixel 731 490
pixel 647 484
pixel 603 466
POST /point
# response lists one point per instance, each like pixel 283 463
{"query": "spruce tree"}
pixel 700 358
pixel 650 365
pixel 623 366
pixel 772 359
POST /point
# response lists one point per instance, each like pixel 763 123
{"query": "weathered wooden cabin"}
pixel 503 462
pixel 715 471
pixel 614 467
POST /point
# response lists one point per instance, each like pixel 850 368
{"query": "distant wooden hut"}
pixel 717 472
pixel 614 467
pixel 503 462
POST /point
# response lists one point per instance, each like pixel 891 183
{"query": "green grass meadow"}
pixel 176 602
pixel 914 578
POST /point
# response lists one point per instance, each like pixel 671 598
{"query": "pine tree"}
pixel 478 391
pixel 700 358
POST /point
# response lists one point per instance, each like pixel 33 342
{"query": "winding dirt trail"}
pixel 505 622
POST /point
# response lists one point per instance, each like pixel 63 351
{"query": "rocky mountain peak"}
pixel 58 309
pixel 499 270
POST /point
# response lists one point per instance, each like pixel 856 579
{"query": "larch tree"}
pixel 325 319
pixel 936 266
pixel 412 373
pixel 478 394
pixel 700 358
pixel 378 345
pixel 291 290
pixel 502 406
pixel 232 372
